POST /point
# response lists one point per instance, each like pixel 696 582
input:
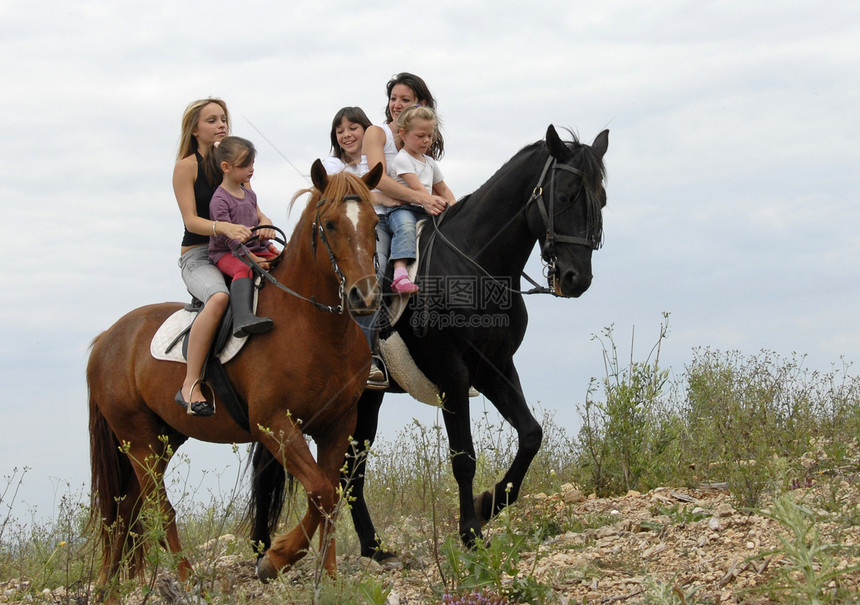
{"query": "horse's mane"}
pixel 339 185
pixel 592 167
pixel 592 164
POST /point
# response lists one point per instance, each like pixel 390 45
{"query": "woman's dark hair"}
pixel 353 114
pixel 422 94
pixel 236 151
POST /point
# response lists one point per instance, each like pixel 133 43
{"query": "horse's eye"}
pixel 329 226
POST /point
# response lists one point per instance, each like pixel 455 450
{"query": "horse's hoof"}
pixel 483 502
pixel 265 570
pixel 471 538
pixel 383 556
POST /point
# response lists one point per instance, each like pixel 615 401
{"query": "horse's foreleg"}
pixel 364 436
pixel 332 448
pixel 506 395
pixel 290 448
pixel 288 548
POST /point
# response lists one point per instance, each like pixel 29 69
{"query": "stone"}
pixel 573 496
pixel 724 510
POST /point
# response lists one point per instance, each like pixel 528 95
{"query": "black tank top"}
pixel 203 192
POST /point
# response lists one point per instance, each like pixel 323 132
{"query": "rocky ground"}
pixel 693 542
pixel 691 546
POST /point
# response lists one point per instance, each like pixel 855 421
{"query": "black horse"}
pixel 469 317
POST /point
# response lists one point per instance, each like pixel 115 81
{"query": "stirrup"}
pixel 204 409
pixel 377 379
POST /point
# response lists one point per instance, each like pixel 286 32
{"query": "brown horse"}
pixel 305 376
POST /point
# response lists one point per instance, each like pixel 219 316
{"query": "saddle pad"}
pixel 402 368
pixel 173 327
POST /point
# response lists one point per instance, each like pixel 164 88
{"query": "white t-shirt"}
pixel 333 165
pixel 427 171
pixel 389 150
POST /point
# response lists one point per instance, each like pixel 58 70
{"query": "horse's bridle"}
pixel 593 230
pixel 548 255
pixel 316 228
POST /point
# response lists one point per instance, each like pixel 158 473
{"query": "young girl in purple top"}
pixel 234 202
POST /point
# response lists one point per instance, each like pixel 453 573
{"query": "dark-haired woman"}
pixel 381 143
pixel 347 136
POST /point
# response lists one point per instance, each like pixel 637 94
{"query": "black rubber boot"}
pixel 242 301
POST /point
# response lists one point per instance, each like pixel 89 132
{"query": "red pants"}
pixel 233 267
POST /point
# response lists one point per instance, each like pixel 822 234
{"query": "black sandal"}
pixel 195 408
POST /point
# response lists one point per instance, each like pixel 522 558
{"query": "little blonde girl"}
pixel 233 202
pixel 418 127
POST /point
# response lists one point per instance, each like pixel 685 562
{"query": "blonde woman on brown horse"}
pixel 304 377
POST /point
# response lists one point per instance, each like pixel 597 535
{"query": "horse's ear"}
pixel 555 145
pixel 319 177
pixel 601 143
pixel 372 178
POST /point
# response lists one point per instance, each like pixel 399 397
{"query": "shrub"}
pixel 749 420
pixel 629 440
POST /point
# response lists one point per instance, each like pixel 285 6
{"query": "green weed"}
pixel 629 439
pixel 811 574
pixel 492 568
pixel 667 593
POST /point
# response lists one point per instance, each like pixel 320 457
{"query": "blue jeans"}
pixel 368 323
pixel 401 222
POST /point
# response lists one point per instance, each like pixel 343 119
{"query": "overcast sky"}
pixel 733 171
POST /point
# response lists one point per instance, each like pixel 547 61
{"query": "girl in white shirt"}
pixel 417 127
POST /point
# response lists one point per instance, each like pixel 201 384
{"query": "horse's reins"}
pixel 548 216
pixel 315 228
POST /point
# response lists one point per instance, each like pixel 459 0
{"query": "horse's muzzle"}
pixel 364 296
pixel 571 283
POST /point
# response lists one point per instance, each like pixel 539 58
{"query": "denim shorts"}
pixel 201 277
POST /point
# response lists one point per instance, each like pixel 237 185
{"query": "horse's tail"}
pixel 112 515
pixel 268 495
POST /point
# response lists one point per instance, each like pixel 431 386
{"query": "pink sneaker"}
pixel 403 285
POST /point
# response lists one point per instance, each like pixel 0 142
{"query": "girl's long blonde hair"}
pixel 190 117
pixel 418 112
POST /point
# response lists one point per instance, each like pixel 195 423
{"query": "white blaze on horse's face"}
pixel 353 212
